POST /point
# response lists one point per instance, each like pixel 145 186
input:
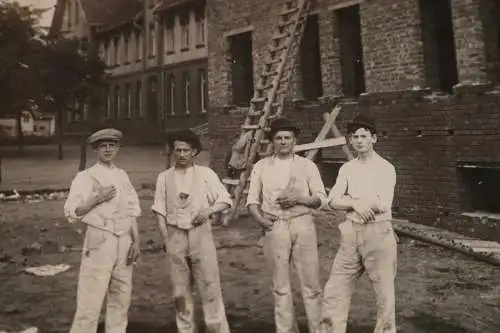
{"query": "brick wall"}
pixel 469 30
pixel 225 16
pixel 423 135
pixel 393 57
pixel 489 12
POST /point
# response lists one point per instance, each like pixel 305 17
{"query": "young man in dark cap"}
pixel 186 197
pixel 103 198
pixel 284 188
pixel 365 189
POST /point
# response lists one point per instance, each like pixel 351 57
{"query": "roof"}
pixel 110 12
pixel 39 115
pixel 168 4
pixel 57 18
pixel 107 14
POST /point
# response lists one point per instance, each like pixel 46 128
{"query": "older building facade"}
pixel 427 70
pixel 156 56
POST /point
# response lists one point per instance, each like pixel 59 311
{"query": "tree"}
pixel 54 73
pixel 73 75
pixel 18 45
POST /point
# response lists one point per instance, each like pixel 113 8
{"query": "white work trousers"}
pixel 192 257
pixel 103 272
pixel 294 240
pixel 364 247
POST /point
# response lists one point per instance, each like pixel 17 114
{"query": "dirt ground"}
pixel 39 168
pixel 437 290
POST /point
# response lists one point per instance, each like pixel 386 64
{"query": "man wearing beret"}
pixel 284 188
pixel 186 197
pixel 365 189
pixel 103 198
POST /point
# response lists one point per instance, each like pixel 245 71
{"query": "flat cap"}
pixel 106 134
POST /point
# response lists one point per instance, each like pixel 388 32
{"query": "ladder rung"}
pixel 250 127
pixel 281 36
pixel 264 87
pixel 253 127
pixel 283 24
pixel 258 100
pixel 254 113
pixel 268 74
pixel 273 61
pixel 277 48
pixel 289 11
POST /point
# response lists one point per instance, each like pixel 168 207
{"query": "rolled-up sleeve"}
pixel 255 188
pixel 134 206
pixel 160 204
pixel 218 191
pixel 75 198
pixel 316 185
pixel 386 187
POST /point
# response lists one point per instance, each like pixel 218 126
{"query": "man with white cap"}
pixel 284 189
pixel 187 196
pixel 103 198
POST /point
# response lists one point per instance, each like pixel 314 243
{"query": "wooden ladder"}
pixel 271 89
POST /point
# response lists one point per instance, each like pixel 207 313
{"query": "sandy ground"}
pixel 437 290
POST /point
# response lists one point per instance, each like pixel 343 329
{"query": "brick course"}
pixel 424 135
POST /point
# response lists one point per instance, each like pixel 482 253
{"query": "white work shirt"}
pixel 282 171
pixel 184 180
pixel 199 182
pixel 85 185
pixel 272 177
pixel 373 179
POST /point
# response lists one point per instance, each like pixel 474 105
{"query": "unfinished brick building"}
pixel 425 69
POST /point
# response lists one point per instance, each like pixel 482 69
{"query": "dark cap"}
pixel 362 121
pixel 184 135
pixel 282 124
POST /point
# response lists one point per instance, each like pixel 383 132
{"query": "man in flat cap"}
pixel 365 189
pixel 186 197
pixel 284 189
pixel 103 198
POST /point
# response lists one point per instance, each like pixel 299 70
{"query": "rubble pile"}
pixel 38 196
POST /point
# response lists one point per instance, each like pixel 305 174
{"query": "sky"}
pixel 47 17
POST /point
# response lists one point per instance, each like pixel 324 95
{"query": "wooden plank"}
pixel 486 249
pixel 320 144
pixel 238 31
pixel 336 133
pixel 342 4
pixel 440 238
pixel 478 243
pixel 229 181
pixel 324 130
